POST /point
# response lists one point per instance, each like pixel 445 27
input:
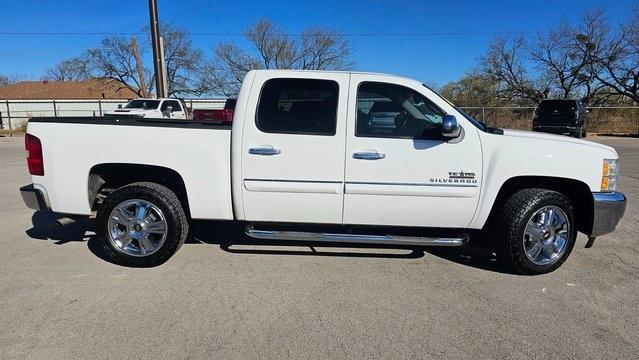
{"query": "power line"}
pixel 363 34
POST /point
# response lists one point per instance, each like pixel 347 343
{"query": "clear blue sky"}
pixel 432 59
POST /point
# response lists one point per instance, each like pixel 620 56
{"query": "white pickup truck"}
pixel 168 108
pixel 309 157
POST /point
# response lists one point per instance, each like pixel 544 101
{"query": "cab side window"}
pixel 394 111
pixel 298 106
pixel 173 103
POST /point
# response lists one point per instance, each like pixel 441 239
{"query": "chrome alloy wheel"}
pixel 546 235
pixel 137 227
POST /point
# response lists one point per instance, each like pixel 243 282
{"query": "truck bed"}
pixel 198 151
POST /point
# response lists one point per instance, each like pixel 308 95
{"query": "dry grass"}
pixel 20 129
pixel 617 121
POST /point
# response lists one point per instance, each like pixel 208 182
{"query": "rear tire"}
pixel 523 242
pixel 141 224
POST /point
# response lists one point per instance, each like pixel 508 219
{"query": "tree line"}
pixel 188 70
pixel 592 60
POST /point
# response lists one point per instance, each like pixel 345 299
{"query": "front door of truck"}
pixel 293 148
pixel 399 168
pixel 172 109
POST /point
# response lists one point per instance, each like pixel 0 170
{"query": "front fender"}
pixel 506 157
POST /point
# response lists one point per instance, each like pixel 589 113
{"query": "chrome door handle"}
pixel 368 155
pixel 264 150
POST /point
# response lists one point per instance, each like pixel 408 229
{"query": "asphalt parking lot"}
pixel 221 297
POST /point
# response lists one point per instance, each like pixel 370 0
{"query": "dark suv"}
pixel 560 117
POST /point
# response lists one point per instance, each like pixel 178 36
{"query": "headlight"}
pixel 609 175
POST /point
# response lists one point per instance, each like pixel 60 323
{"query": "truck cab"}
pixel 152 108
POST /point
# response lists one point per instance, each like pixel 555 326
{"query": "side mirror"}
pixel 119 106
pixel 450 127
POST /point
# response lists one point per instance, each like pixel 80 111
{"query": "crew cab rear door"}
pixel 293 147
pixel 399 168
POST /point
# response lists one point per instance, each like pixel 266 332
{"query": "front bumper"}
pixel 608 209
pixel 34 198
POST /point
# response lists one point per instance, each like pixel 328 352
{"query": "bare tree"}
pixel 505 63
pixel 5 80
pixel 562 57
pixel 616 60
pixel 556 57
pixel 183 62
pixel 73 69
pixel 225 73
pixel 274 48
pixel 586 61
pixel 115 60
pixel 325 49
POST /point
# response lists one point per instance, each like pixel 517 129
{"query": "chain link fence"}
pixel 604 120
pixel 601 120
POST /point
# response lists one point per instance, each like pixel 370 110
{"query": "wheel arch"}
pixel 577 191
pixel 106 177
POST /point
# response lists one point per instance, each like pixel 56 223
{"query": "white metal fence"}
pixel 14 113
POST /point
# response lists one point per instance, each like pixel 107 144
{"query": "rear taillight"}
pixel 34 155
pixel 224 116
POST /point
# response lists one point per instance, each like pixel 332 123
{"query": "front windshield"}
pixel 143 104
pixel 477 124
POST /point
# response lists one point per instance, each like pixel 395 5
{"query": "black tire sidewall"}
pixel 174 237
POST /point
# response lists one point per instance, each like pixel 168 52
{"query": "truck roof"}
pixel 155 99
pixel 284 71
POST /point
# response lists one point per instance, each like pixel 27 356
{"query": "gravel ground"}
pixel 223 297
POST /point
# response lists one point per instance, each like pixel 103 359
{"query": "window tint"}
pixel 561 107
pixel 387 110
pixel 173 103
pixel 143 104
pixel 298 106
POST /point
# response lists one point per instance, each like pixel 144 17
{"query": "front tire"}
pixel 534 232
pixel 141 224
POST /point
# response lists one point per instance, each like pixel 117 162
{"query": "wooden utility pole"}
pixel 138 64
pixel 160 91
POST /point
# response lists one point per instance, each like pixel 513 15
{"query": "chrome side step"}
pixel 355 238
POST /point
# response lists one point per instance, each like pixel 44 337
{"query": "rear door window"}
pixel 172 103
pixel 298 106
